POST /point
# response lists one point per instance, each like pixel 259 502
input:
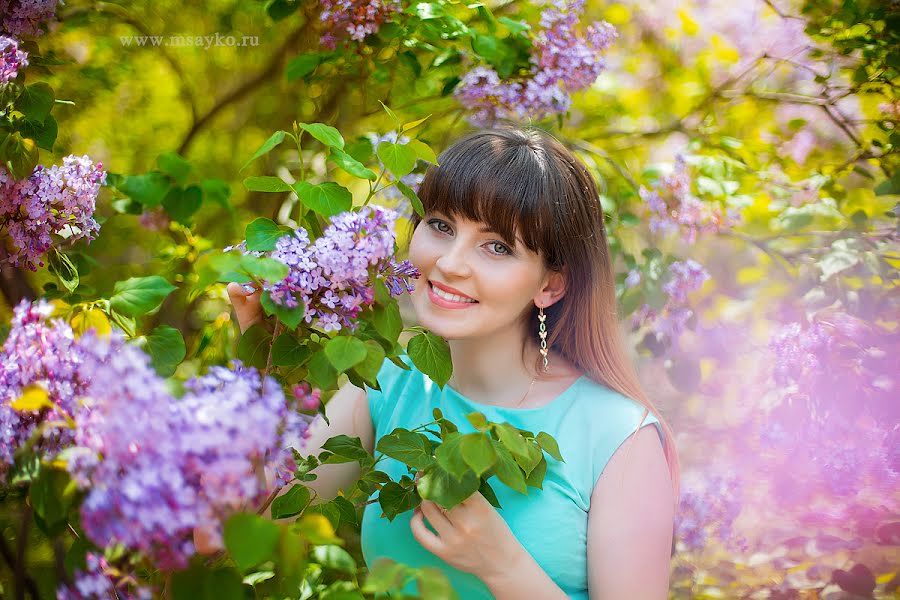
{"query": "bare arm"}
pixel 630 523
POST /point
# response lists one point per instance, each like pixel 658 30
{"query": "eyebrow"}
pixel 484 229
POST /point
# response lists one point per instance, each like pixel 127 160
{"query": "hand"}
pixel 246 305
pixel 471 536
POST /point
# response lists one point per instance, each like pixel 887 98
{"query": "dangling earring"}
pixel 542 331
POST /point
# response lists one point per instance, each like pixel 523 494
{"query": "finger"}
pixel 429 541
pixel 246 305
pixel 437 517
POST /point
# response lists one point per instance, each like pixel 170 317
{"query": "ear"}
pixel 553 290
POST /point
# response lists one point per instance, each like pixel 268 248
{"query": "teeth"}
pixel 451 297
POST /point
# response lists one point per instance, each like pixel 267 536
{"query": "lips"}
pixel 450 290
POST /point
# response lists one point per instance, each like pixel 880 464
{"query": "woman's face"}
pixel 454 252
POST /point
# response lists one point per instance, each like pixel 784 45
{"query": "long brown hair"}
pixel 523 181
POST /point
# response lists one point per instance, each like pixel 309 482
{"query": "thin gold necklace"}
pixel 526 393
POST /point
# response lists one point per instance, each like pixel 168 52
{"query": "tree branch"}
pixel 272 69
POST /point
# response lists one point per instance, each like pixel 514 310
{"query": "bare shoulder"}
pixel 637 479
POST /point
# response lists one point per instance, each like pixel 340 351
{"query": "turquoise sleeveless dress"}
pixel 589 420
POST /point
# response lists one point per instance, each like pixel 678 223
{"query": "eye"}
pixel 439 223
pixel 505 248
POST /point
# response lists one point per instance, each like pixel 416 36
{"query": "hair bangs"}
pixel 504 183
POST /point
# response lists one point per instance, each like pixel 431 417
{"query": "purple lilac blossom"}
pixel 685 277
pixel 11 59
pixel 169 465
pixel 24 17
pixel 563 61
pixel 707 509
pixel 331 276
pixel 58 200
pixel 673 207
pixel 98 582
pixel 38 351
pixel 355 19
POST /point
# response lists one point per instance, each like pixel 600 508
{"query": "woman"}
pixel 512 240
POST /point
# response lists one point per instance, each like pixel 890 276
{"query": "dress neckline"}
pixel 558 398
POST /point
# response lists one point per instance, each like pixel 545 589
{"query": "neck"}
pixel 490 369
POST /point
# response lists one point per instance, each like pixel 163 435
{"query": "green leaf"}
pixel 216 191
pixel 423 151
pixel 321 373
pixel 166 348
pixel 385 575
pixel 264 268
pixel 281 9
pixel 174 165
pixel 36 101
pixel 345 351
pixel 291 503
pixel 266 184
pixel 478 421
pixel 351 165
pixel 302 65
pixel 250 539
pixel 478 452
pixel 44 134
pixel 387 321
pixel 347 510
pixel 347 447
pixel 549 445
pixel 181 204
pixel 449 455
pixel 21 154
pixel 287 352
pixel 536 477
pixel 408 447
pixel 432 583
pixel 412 196
pixel 841 257
pixel 369 367
pixel 399 158
pixel 273 141
pixel 253 346
pixel 290 317
pixel 64 269
pixel 508 471
pixel 390 113
pixel 148 189
pixel 334 557
pixel 201 583
pixel 137 296
pixel 431 355
pixel 488 492
pixel 512 439
pixel 261 234
pixel 412 124
pixel 51 495
pixel 441 487
pixel 395 499
pixel 326 134
pixel 327 199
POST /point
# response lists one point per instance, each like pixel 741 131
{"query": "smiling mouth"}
pixel 447 297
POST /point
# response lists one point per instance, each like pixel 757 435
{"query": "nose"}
pixel 454 262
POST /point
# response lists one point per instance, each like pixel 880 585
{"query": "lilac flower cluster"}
pixel 685 277
pixel 707 509
pixel 169 465
pixel 673 207
pixel 563 61
pixel 58 200
pixel 798 353
pixel 153 466
pixel 332 277
pixel 23 17
pixel 38 352
pixel 11 59
pixel 98 582
pixel 354 18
